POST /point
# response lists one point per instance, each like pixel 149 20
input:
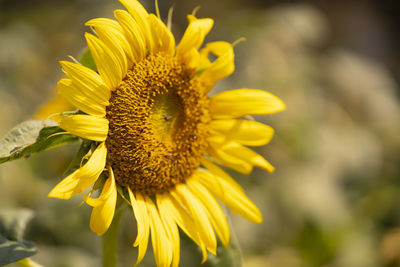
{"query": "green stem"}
pixel 110 240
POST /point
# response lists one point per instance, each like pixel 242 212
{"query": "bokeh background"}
pixel 334 199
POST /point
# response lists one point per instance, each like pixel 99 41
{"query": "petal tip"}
pixel 258 219
pixel 283 105
pixel 269 169
pixel 63 195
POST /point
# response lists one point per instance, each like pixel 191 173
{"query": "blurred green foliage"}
pixel 12 245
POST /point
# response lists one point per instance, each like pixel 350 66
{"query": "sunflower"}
pixel 157 137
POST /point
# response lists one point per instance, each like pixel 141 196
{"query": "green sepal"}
pixel 77 160
pixel 32 136
pixel 87 60
pixel 230 256
pixel 99 184
pixel 226 257
pixel 12 245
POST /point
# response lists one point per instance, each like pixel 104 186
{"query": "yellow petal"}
pixel 87 81
pixel 143 225
pixel 222 67
pixel 68 187
pixel 182 218
pixel 83 177
pixel 108 190
pixel 85 126
pixel 245 132
pixel 238 157
pixel 111 33
pixel 133 34
pixel 79 99
pixel 235 199
pixel 214 169
pixel 237 103
pixel 162 246
pixel 199 214
pixel 57 104
pixel 110 67
pixel 103 214
pixel 214 210
pixel 194 60
pixel 140 15
pixel 171 229
pixel 194 36
pixel 225 158
pixel 163 39
pixel 114 29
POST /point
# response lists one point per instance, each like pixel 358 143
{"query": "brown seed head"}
pixel 158 119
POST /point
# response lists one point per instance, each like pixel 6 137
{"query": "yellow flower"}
pixel 158 136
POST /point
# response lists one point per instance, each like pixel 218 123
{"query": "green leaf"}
pixel 87 60
pixel 32 136
pixel 316 247
pixel 12 226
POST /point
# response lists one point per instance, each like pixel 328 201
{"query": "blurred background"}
pixel 334 199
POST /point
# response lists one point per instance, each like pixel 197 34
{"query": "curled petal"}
pixel 222 67
pixel 83 177
pixel 104 206
pixel 194 36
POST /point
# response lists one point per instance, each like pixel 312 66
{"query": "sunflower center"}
pixel 158 119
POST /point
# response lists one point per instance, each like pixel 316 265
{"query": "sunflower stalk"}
pixel 110 238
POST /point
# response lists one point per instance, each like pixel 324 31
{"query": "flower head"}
pixel 157 135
